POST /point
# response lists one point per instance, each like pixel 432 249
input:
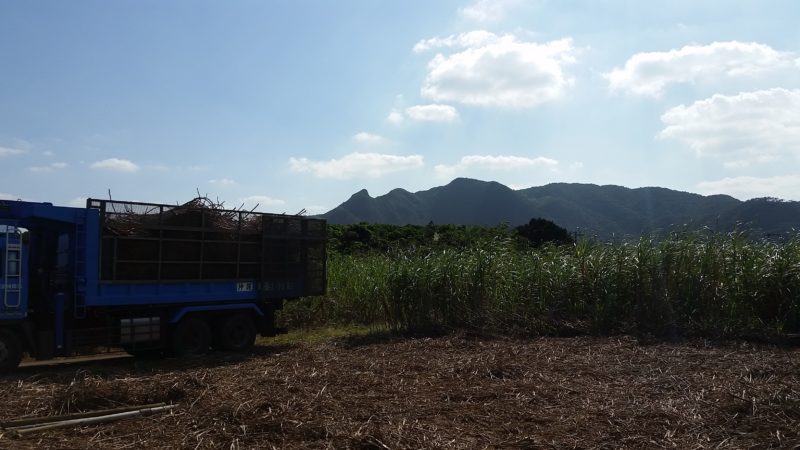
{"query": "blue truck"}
pixel 148 278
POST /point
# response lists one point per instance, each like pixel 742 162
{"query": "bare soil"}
pixel 455 391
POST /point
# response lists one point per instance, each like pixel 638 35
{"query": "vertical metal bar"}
pixel 5 271
pixel 114 260
pixel 262 282
pixel 60 301
pixel 239 245
pixel 160 242
pixel 202 244
pixel 100 244
pixel 76 249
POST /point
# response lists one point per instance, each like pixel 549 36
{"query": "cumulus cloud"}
pixel 368 138
pixel 48 168
pixel 493 162
pixel 116 165
pixel 357 164
pixel 649 73
pixel 258 201
pixel 490 70
pixel 744 128
pixel 222 182
pixel 487 10
pixel 432 113
pixel 395 117
pixel 8 151
pixel 746 187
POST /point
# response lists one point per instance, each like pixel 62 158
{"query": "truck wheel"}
pixel 10 351
pixel 238 332
pixel 192 336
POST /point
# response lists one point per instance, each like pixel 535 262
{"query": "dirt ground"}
pixel 454 391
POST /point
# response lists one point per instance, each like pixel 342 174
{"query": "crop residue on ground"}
pixel 446 392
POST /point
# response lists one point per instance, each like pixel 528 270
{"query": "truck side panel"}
pixel 125 294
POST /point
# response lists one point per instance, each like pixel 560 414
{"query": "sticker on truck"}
pixel 246 286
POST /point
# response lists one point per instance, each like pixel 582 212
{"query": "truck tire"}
pixel 192 336
pixel 10 351
pixel 237 333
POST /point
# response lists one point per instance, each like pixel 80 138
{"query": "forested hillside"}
pixel 590 209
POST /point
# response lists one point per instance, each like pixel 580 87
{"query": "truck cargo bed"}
pixel 147 243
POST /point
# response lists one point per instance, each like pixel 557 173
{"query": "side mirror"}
pixel 25 238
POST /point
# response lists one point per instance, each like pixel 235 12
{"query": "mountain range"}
pixel 588 208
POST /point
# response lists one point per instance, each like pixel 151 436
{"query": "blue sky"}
pixel 299 104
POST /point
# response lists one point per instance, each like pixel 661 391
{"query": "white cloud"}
pixel 368 138
pixel 222 182
pixel 356 164
pixel 649 73
pixel 395 117
pixel 48 153
pixel 77 202
pixel 517 187
pixel 744 128
pixel 48 168
pixel 475 38
pixel 433 112
pixel 487 10
pixel 259 202
pixel 493 162
pixel 7 151
pixel 115 164
pixel 501 71
pixel 745 187
pixel 427 113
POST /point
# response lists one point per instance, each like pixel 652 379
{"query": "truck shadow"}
pixel 122 364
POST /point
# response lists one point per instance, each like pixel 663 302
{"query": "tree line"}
pixel 368 237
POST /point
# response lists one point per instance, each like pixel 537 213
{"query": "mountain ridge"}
pixel 602 210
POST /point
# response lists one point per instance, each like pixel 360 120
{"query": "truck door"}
pixel 12 256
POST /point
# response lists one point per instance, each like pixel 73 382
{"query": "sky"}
pixel 290 105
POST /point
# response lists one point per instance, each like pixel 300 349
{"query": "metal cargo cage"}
pixel 147 242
